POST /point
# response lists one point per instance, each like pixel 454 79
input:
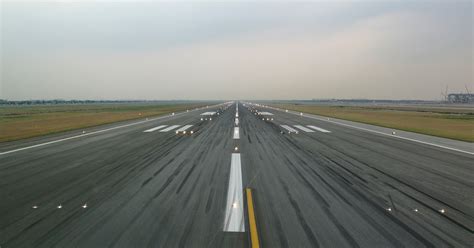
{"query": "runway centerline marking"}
pixel 319 129
pixel 236 133
pixel 234 211
pixel 304 128
pixel 154 129
pixel 169 128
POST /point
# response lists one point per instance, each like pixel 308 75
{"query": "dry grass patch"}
pixel 25 122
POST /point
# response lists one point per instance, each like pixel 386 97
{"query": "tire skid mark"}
pixel 378 208
pixel 304 225
pixel 368 218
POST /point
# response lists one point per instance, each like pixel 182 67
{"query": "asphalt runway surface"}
pixel 129 188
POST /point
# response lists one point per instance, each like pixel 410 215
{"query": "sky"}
pixel 162 50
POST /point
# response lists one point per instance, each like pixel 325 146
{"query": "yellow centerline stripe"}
pixel 252 222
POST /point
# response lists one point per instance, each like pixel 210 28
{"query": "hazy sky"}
pixel 235 50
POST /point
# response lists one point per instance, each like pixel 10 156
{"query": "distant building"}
pixel 461 98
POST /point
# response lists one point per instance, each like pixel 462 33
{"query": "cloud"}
pixel 393 55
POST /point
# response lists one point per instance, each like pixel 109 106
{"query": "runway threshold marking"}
pixel 255 242
pixel 385 134
pixel 289 129
pixel 169 128
pixel 304 128
pixel 234 211
pixel 99 131
pixel 319 129
pixel 184 128
pixel 236 133
pixel 154 129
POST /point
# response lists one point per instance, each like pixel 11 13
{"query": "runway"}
pixel 156 184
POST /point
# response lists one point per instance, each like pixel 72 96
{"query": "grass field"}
pixel 453 123
pixel 19 122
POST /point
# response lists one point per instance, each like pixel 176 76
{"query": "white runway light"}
pixel 442 211
pixel 34 207
pixel 183 129
pixel 60 206
pixel 84 206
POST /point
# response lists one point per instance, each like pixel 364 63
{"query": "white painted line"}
pixel 386 134
pixel 169 128
pixel 319 129
pixel 265 113
pixel 154 129
pixel 394 136
pixel 184 128
pixel 289 129
pixel 236 133
pixel 304 128
pixel 91 133
pixel 208 113
pixel 237 121
pixel 234 211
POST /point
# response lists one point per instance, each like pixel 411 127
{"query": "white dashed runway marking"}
pixel 289 129
pixel 319 129
pixel 154 129
pixel 304 128
pixel 170 128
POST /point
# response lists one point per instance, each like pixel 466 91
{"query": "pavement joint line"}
pixel 382 133
pixel 96 132
pixel 255 242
